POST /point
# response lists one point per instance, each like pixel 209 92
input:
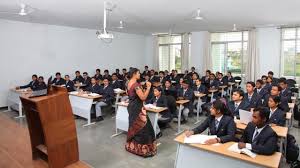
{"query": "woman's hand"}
pixel 148 84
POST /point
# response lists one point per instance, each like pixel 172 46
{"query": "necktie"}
pixel 249 98
pixel 236 106
pixel 255 135
pixel 216 124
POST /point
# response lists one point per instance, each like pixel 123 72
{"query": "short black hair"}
pixel 161 72
pixel 124 69
pixel 270 78
pixel 106 70
pixel 282 81
pixel 263 113
pixel 229 72
pixel 208 71
pixel 276 99
pixel 251 83
pixel 41 77
pixel 67 76
pixel 264 76
pixel 193 68
pixel 85 73
pixel 279 88
pixel 146 66
pixel 270 73
pixel 97 70
pixel 57 73
pixel 114 74
pixel 117 69
pixel 186 81
pixel 168 80
pixel 158 88
pixel 77 72
pixel 34 75
pixel 105 79
pixel 240 92
pixel 260 81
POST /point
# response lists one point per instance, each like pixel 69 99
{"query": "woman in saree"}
pixel 140 137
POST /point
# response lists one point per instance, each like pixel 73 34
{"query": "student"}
pixel 58 80
pixel 115 82
pixel 98 75
pixel 283 100
pixel 78 77
pixel 213 83
pixel 258 136
pixel 218 123
pixel 162 77
pixel 107 98
pixel 118 74
pixel 175 77
pixel 251 96
pixel 86 79
pixel 229 77
pixel 69 84
pixel 169 90
pixel 160 100
pixel 179 85
pixel 237 103
pixel 274 80
pixel 41 84
pixel 185 93
pixel 146 71
pixel 32 85
pixel 106 75
pixel 285 92
pixel 167 75
pixel 94 87
pixel 193 71
pixel 205 79
pixel 146 78
pixel 199 87
pixel 194 78
pixel 277 116
pixel 124 74
pixel 222 80
pixel 259 90
pixel 266 86
pixel 153 78
pixel 269 83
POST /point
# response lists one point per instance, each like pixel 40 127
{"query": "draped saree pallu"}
pixel 140 137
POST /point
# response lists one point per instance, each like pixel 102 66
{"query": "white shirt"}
pixel 249 146
pixel 219 118
pixel 272 112
pixel 236 105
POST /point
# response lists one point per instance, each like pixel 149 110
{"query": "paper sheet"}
pixel 200 139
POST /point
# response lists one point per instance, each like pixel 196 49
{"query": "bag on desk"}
pixel 292 149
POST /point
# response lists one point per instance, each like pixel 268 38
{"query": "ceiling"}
pixel 159 16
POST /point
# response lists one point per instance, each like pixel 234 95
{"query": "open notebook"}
pixel 235 148
pixel 200 139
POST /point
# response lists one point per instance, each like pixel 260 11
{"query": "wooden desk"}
pixel 118 93
pixel 181 107
pixel 210 156
pixel 280 131
pixel 122 122
pixel 81 105
pixel 14 101
pixel 199 103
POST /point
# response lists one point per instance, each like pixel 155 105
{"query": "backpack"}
pixel 292 149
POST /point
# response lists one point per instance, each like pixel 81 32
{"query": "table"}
pixel 211 156
pixel 280 131
pixel 13 99
pixel 222 90
pixel 230 88
pixel 181 103
pixel 122 122
pixel 81 105
pixel 118 93
pixel 199 96
pixel 212 91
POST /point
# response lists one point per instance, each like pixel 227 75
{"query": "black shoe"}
pixel 100 118
pixel 159 135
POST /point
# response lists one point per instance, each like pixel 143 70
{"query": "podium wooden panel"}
pixel 52 127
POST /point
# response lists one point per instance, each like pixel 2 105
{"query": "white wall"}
pixel 28 48
pixel 149 55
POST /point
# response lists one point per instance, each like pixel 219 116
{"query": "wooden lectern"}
pixel 52 127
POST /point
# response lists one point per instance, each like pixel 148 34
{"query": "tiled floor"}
pixel 98 149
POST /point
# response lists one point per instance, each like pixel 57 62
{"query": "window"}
pixel 290 52
pixel 228 52
pixel 170 52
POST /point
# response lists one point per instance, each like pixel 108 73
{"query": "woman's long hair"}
pixel 132 72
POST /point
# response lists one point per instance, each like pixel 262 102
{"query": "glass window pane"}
pixel 298 33
pixel 245 34
pixel 175 39
pixel 289 33
pixel 230 36
pixel 234 57
pixel 164 58
pixel 175 57
pixel 288 52
pixel 163 40
pixel 218 56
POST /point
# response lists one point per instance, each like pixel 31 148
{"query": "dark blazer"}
pixel 188 95
pixel 283 103
pixel 94 89
pixel 146 73
pixel 201 89
pixel 154 79
pixel 214 83
pixel 161 102
pixel 278 117
pixel 175 78
pixel 262 93
pixel 107 94
pixel 70 86
pixel 287 93
pixel 265 143
pixel 87 81
pixel 40 86
pixel 229 79
pixel 61 81
pixel 98 77
pixel 225 131
pixel 223 81
pixel 32 85
pixel 244 105
pixel 255 100
pixel 162 80
pixel 170 91
pixel 116 84
pixel 78 79
pixel 107 76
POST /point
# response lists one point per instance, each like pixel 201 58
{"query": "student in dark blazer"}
pixel 229 77
pixel 186 93
pixel 218 123
pixel 205 79
pixel 251 96
pixel 213 83
pixel 285 92
pixel 160 100
pixel 193 80
pixel 276 89
pixel 258 136
pixel 32 85
pixel 222 80
pixel 107 93
pixel 58 80
pixel 199 87
pixel 94 87
pixel 98 75
pixel 106 75
pixel 193 71
pixel 115 81
pixel 276 116
pixel 162 78
pixel 146 71
pixel 259 90
pixel 69 84
pixel 153 77
pixel 237 103
pixel 169 90
pixel 78 78
pixel 175 77
pixel 86 79
pixel 274 80
pixel 118 74
pixel 41 84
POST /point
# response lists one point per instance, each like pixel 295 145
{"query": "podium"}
pixel 52 127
